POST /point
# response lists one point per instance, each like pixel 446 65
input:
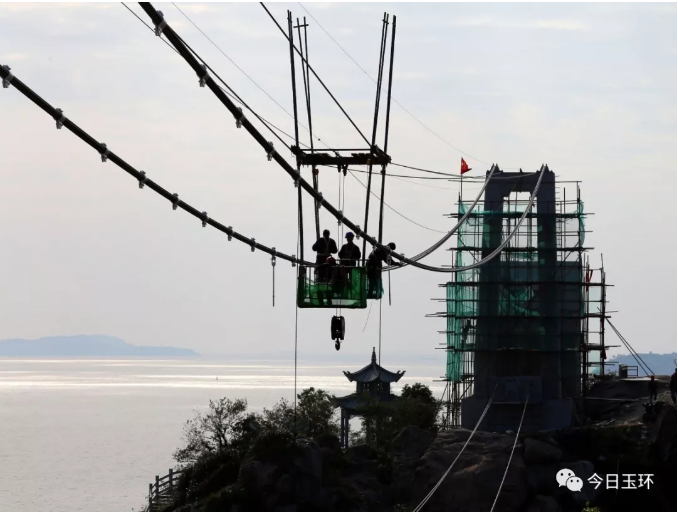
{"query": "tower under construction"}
pixel 529 324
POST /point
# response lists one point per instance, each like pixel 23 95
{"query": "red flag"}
pixel 464 167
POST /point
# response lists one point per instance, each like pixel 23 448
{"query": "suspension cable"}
pixel 522 417
pixel 144 181
pixel 205 79
pixel 316 75
pixel 636 356
pixel 394 210
pixel 461 221
pixel 178 42
pixel 396 101
pixel 437 485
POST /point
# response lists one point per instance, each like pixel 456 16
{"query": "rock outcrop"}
pixel 475 479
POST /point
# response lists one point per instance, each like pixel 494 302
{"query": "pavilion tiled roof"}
pixel 374 372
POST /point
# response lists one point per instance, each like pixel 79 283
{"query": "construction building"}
pixel 529 324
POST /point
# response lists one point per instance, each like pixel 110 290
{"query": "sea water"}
pixel 90 435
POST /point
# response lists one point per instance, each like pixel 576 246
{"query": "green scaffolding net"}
pixel 515 279
pixel 338 287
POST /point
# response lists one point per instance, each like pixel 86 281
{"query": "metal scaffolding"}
pixel 533 318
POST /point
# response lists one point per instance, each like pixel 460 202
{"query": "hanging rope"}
pixel 273 268
pixel 367 208
pixel 522 417
pixel 380 301
pixel 296 322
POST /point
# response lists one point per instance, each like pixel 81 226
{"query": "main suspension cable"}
pixel 144 181
pixel 206 79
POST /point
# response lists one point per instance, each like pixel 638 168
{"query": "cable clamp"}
pixel 204 219
pixel 294 263
pixel 273 258
pixel 229 232
pixel 160 26
pixel 203 79
pixel 357 232
pixel 252 245
pixel 8 78
pixel 271 152
pixel 340 217
pixel 321 197
pixel 238 121
pixel 175 201
pixel 60 120
pixel 104 152
pixel 142 180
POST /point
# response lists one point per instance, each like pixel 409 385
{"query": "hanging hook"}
pixel 204 219
pixel 142 180
pixel 175 201
pixel 273 268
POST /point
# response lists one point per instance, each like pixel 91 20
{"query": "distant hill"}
pixel 86 345
pixel 660 364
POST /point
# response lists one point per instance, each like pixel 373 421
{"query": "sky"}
pixel 589 89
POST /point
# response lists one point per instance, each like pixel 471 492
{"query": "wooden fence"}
pixel 161 493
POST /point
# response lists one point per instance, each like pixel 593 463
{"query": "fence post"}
pixel 171 482
pixel 150 496
pixel 157 486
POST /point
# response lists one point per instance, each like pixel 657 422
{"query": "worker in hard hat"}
pixel 349 254
pixel 377 256
pixel 324 247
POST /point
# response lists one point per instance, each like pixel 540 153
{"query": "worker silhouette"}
pixel 349 254
pixel 654 387
pixel 324 248
pixel 374 261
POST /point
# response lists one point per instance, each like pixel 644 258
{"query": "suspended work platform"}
pixel 336 287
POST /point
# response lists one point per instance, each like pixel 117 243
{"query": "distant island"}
pixel 86 346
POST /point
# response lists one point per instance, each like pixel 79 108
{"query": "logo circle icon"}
pixel 563 475
pixel 574 484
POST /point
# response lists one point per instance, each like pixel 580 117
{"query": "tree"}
pixel 220 428
pixel 416 406
pixel 317 413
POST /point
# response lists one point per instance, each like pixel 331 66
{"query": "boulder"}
pixel 359 453
pixel 407 448
pixel 537 451
pixel 544 503
pixel 292 478
pixel 474 480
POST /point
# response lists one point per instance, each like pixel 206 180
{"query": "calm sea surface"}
pixel 89 435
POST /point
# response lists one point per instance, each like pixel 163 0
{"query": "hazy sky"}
pixel 589 89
